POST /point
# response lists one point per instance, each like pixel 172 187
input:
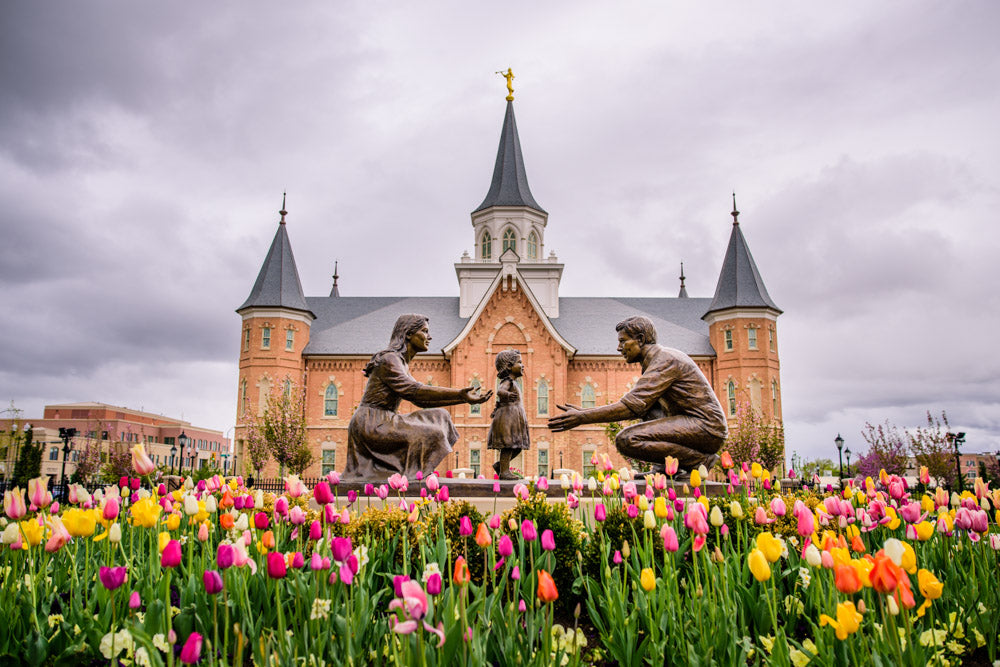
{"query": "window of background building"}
pixel 774 398
pixel 330 400
pixel 532 246
pixel 476 409
pixel 486 246
pixel 289 339
pixel 731 393
pixel 53 454
pixel 474 460
pixel 587 397
pixel 288 388
pixel 729 339
pixel 329 461
pixel 589 469
pixel 509 241
pixel 246 339
pixel 752 338
pixel 265 338
pixel 770 339
pixel 543 462
pixel 543 397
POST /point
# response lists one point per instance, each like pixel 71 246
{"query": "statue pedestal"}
pixel 483 488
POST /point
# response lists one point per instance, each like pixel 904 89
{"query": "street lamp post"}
pixel 66 434
pixel 847 453
pixel 840 448
pixel 182 440
pixel 957 440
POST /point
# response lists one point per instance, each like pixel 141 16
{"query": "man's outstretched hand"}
pixel 571 417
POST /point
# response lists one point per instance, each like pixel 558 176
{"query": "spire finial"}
pixel 509 75
pixel 683 293
pixel 735 213
pixel 283 212
pixel 335 291
pixel 682 274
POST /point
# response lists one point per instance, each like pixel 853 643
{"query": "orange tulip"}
pixel 483 535
pixel 267 539
pixel 226 521
pixel 546 587
pixel 858 545
pixel 885 574
pixel 227 500
pixel 846 579
pixel 727 460
pixel 904 594
pixel 461 574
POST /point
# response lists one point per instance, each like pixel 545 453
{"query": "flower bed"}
pixel 214 573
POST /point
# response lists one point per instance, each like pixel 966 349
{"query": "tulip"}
pixel 38 494
pixel 298 560
pixel 521 607
pixel 465 526
pixel 434 584
pixel 297 516
pixel 778 506
pixel 669 535
pixel 548 540
pixel 134 601
pixel 322 493
pixel 505 547
pixel 141 462
pixel 461 573
pixel 110 509
pixel 191 653
pixel 521 491
pixel 715 517
pixel 281 506
pixel 276 568
pixel 542 484
pixel 341 548
pixel 171 556
pixel 315 530
pixel 617 557
pixel 846 579
pixel 726 460
pixel 112 577
pixel 213 582
pixel 483 537
pixel 671 466
pixel 600 512
pixel 13 504
pixel 758 565
pixel 260 520
pixel 115 533
pixel 546 587
pixel 929 585
pixel 885 574
pixel 443 494
pixel 572 500
pixel 203 532
pixel 647 579
pixel 770 546
pixel 80 523
pixel 224 556
pixel 191 505
pixel 847 622
pixel 528 531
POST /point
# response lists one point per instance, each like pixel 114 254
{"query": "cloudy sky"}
pixel 144 149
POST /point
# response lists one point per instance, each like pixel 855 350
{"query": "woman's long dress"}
pixel 382 441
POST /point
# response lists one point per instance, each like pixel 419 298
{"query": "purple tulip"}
pixel 352 495
pixel 213 582
pixel 434 584
pixel 113 577
pixel 225 556
pixel 548 540
pixel 191 653
pixel 171 556
pixel 238 502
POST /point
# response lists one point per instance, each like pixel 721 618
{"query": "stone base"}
pixel 483 488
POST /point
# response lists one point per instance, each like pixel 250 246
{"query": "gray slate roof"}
pixel 740 284
pixel 277 283
pixel 361 325
pixel 510 181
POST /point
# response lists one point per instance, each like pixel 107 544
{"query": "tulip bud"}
pixel 115 533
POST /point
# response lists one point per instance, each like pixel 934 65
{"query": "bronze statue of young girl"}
pixel 380 441
pixel 509 428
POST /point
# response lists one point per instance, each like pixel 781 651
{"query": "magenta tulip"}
pixel 191 653
pixel 281 506
pixel 528 531
pixel 397 584
pixel 322 494
pixel 260 521
pixel 548 540
pixel 315 530
pixel 465 526
pixel 213 582
pixel 505 547
pixel 600 512
pixel 443 494
pixel 276 568
pixel 171 556
pixel 112 577
pixel 341 548
pixel 224 556
pixel 111 508
pixel 134 601
pixel 298 560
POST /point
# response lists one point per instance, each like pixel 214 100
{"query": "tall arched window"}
pixel 587 397
pixel 509 241
pixel 774 399
pixel 731 391
pixel 330 401
pixel 543 397
pixel 532 246
pixel 288 388
pixel 486 246
pixel 476 409
pixel 243 398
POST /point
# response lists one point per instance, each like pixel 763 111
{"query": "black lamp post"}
pixel 66 434
pixel 847 453
pixel 183 440
pixel 173 459
pixel 840 448
pixel 957 440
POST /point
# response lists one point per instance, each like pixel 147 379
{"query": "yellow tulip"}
pixel 893 518
pixel 758 565
pixel 647 579
pixel 660 507
pixel 770 546
pixel 863 567
pixel 929 585
pixel 80 523
pixel 847 622
pixel 736 509
pixel 173 521
pixel 162 540
pixel 851 531
pixel 715 517
pixel 32 531
pixel 925 530
pixel 704 502
pixel 145 513
pixel 909 560
pixel 756 470
pixel 926 504
pixel 695 478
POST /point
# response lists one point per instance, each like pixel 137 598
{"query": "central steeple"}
pixel 510 181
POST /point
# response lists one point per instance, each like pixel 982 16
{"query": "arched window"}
pixel 243 398
pixel 486 246
pixel 476 409
pixel 330 401
pixel 532 246
pixel 774 398
pixel 543 397
pixel 288 388
pixel 509 241
pixel 731 391
pixel 587 397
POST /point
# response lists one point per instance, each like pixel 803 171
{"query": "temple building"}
pixel 507 297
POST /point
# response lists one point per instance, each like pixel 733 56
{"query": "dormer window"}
pixel 509 241
pixel 532 246
pixel 486 246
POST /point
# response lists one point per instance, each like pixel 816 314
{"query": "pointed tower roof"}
pixel 510 182
pixel 335 291
pixel 683 293
pixel 740 284
pixel 278 283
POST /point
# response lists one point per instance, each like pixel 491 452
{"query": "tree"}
pixel 279 432
pixel 816 467
pixel 754 439
pixel 301 459
pixel 930 447
pixel 88 461
pixel 887 450
pixel 29 461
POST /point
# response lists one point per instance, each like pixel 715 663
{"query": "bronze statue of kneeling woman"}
pixel 381 441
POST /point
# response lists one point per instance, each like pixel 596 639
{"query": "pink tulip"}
pixel 345 517
pixel 443 494
pixel 528 531
pixel 494 522
pixel 191 653
pixel 600 512
pixel 38 494
pixel 515 573
pixel 572 500
pixel 346 575
pixel 760 517
pixel 807 523
pixel 276 567
pixel 134 601
pixel 171 556
pixel 432 483
pixel 398 482
pixel 110 509
pixel 322 494
pixel 548 540
pixel 382 492
pixel 333 477
pixel 281 506
pixel 465 526
pixel 629 490
pixel 778 506
pixel 213 581
pixel 141 462
pixel 826 560
pixel 434 584
pixel 298 560
pixel 224 556
pixel 542 484
pixel 297 516
pixel 695 520
pixel 617 558
pixel 521 491
pixel 505 547
pixel 13 504
pixel 633 511
pixel 671 466
pixel 112 577
pixel 315 531
pixel 521 607
pixel 341 548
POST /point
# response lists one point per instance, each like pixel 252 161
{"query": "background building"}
pixel 508 297
pixel 106 425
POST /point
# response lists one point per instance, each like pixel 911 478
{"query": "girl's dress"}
pixel 509 429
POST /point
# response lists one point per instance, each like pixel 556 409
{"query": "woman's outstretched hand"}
pixel 472 396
